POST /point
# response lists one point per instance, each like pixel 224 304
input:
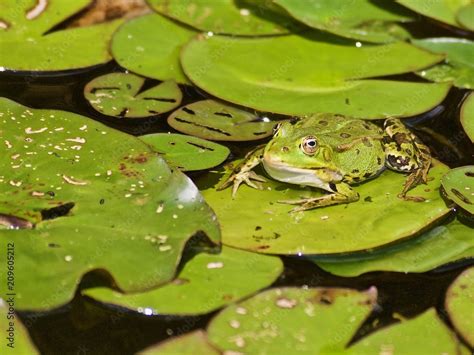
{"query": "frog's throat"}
pixel 300 176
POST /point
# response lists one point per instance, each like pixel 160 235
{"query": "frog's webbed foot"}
pixel 243 177
pixel 341 193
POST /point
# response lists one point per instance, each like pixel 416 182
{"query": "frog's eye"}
pixel 309 145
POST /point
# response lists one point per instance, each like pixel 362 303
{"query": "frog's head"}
pixel 295 152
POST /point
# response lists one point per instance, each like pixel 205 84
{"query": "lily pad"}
pixel 467 116
pixel 297 75
pixel 15 337
pixel 458 184
pixel 206 283
pixel 440 10
pixel 439 246
pixel 149 45
pixel 458 66
pixel 292 320
pixel 71 204
pixel 222 16
pixel 465 16
pixel 187 152
pixel 460 303
pixel 120 95
pixel 363 20
pixel 425 334
pixel 28 45
pixel 217 121
pixel 371 222
pixel 188 344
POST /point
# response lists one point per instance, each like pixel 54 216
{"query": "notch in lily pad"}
pixel 120 95
pixel 187 152
pixel 217 121
pixel 458 184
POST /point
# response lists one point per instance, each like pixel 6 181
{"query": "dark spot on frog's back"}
pixel 379 160
pixel 367 142
pixel 355 171
pixel 323 123
pixel 345 135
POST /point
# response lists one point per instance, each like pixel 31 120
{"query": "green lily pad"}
pixel 362 20
pixel 439 246
pixel 206 283
pixel 188 344
pixel 460 302
pixel 425 334
pixel 440 10
pixel 292 320
pixel 120 95
pixel 458 67
pixel 217 121
pixel 15 338
pixel 458 184
pixel 467 116
pixel 72 204
pixel 27 44
pixel 149 45
pixel 465 16
pixel 304 75
pixel 187 152
pixel 371 222
pixel 222 16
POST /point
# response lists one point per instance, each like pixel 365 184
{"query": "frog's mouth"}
pixel 316 177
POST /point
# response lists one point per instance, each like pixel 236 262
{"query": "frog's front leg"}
pixel 340 193
pixel 243 172
pixel 405 152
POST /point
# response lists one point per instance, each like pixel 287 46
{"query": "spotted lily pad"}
pixel 120 95
pixel 187 152
pixel 363 20
pixel 217 121
pixel 440 10
pixel 458 66
pixel 298 75
pixel 439 246
pixel 71 203
pixel 371 222
pixel 149 45
pixel 458 184
pixel 467 116
pixel 222 16
pixel 465 16
pixel 188 344
pixel 292 320
pixel 460 303
pixel 28 45
pixel 15 338
pixel 206 283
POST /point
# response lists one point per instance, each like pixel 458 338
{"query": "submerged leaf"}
pixel 458 184
pixel 72 204
pixel 120 95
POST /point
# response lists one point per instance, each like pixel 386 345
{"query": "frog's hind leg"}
pixel 405 152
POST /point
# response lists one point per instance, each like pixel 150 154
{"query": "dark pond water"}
pixel 86 327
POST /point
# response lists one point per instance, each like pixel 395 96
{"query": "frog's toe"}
pixel 255 176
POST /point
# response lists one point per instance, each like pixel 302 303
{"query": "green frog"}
pixel 333 152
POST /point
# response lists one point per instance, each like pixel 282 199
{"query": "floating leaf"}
pixel 292 320
pixel 215 120
pixel 425 334
pixel 28 45
pixel 458 184
pixel 459 66
pixel 439 246
pixel 79 203
pixel 188 344
pixel 371 222
pixel 187 152
pixel 223 16
pixel 120 95
pixel 440 10
pixel 363 19
pixel 15 338
pixel 467 116
pixel 304 75
pixel 207 282
pixel 149 45
pixel 460 303
pixel 465 16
